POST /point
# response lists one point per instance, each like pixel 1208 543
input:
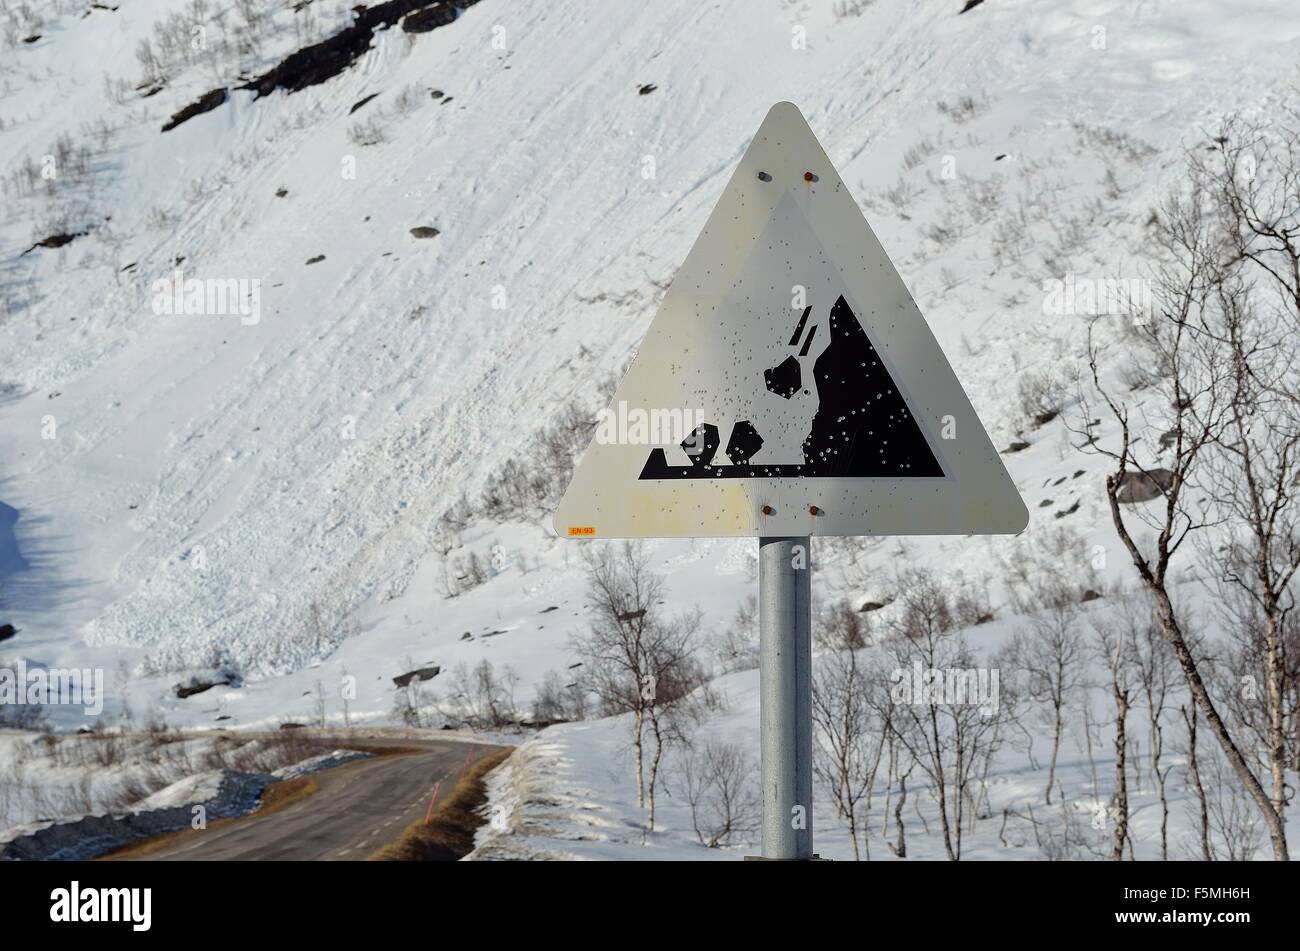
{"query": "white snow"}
pixel 185 493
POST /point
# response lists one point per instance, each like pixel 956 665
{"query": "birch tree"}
pixel 1052 654
pixel 849 739
pixel 623 594
pixel 1191 405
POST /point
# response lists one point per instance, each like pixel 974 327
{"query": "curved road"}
pixel 357 808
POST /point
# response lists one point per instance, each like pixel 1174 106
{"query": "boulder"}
pixel 423 673
pixel 1144 486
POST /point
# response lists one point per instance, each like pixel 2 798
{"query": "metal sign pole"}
pixel 785 695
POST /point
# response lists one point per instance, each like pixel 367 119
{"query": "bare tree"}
pixel 1194 777
pixel 623 593
pixel 671 675
pixel 849 739
pixel 1052 654
pixel 899 846
pixel 1193 409
pixel 559 699
pixel 722 792
pixel 319 704
pixel 1254 481
pixel 1157 677
pixel 635 660
pixel 482 697
pixel 1234 823
pixel 1112 642
pixel 940 722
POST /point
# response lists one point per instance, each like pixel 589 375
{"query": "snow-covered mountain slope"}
pixel 182 491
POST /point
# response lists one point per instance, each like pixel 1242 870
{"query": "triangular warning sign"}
pixel 788 384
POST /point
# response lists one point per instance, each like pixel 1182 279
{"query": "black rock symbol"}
pixel 702 444
pixel 784 380
pixel 744 442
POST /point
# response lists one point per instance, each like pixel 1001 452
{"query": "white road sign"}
pixel 788 384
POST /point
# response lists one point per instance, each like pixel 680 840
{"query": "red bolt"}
pixel 768 510
pixel 814 510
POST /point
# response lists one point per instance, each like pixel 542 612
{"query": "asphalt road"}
pixel 357 808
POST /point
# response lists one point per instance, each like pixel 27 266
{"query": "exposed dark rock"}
pixel 362 101
pixel 56 240
pixel 425 231
pixel 430 18
pixel 1089 595
pixel 1045 503
pixel 330 57
pixel 316 260
pixel 553 607
pixel 1070 511
pixel 970 5
pixel 1143 487
pixel 197 686
pixel 1017 446
pixel 206 103
pixel 647 89
pixel 436 93
pixel 7 631
pixel 32 39
pixel 423 673
pixel 281 192
pixel 1042 419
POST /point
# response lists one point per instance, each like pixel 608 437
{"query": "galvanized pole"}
pixel 785 695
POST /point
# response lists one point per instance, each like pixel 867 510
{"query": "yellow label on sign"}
pixel 582 530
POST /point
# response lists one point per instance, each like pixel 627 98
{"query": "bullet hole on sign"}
pixel 764 177
pixel 768 510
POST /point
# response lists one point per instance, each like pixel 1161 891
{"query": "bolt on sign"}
pixel 818 401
